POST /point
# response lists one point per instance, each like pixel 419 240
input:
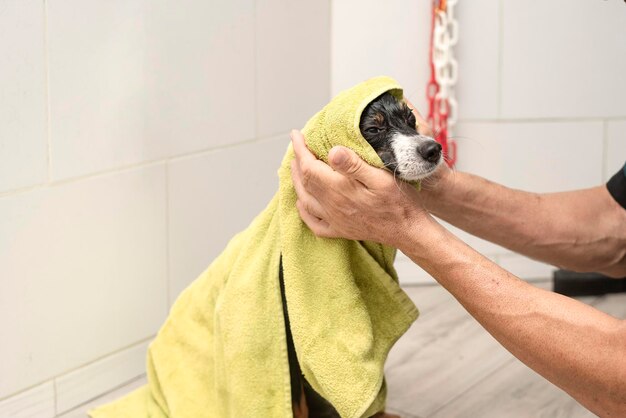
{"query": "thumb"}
pixel 347 162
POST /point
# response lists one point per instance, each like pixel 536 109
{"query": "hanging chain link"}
pixel 443 107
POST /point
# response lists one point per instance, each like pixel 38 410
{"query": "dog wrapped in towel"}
pixel 222 353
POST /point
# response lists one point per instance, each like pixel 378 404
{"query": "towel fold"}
pixel 222 351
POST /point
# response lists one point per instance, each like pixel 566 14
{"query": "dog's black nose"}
pixel 430 151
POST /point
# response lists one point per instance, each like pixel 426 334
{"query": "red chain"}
pixel 437 108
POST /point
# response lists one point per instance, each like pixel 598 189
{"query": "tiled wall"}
pixel 541 90
pixel 136 137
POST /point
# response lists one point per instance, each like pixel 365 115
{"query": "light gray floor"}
pixel 447 366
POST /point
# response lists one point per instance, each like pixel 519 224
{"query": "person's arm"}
pixel 573 345
pixel 582 230
pixel 576 347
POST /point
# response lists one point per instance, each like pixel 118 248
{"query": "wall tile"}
pixel 556 62
pixel 23 136
pixel 214 196
pixel 82 272
pixel 538 157
pixel 477 54
pixel 293 59
pixel 97 85
pixel 201 81
pixel 37 402
pixel 616 148
pixel 81 411
pixel 137 81
pixel 91 381
pixel 371 38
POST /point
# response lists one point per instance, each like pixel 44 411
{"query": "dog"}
pixel 390 127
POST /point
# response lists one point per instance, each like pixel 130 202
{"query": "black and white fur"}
pixel 389 126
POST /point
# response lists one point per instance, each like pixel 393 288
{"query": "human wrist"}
pixel 437 189
pixel 417 227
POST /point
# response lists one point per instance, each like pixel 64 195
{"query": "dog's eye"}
pixel 373 130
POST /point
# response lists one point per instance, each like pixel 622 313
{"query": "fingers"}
pixel 299 147
pixel 315 175
pixel 307 187
pixel 423 127
pixel 309 203
pixel 348 163
pixel 318 226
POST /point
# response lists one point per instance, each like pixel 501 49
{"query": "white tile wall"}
pixel 539 157
pixel 82 272
pixel 97 85
pixel 616 147
pixel 142 94
pixel 89 382
pixel 136 95
pixel 81 411
pixel 202 79
pixel 371 38
pixel 477 53
pixel 563 59
pixel 214 196
pixel 37 402
pixel 137 81
pixel 23 131
pixel 208 87
pixel 293 58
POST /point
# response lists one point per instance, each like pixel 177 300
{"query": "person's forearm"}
pixel 576 347
pixel 581 230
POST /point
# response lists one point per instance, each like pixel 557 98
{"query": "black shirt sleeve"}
pixel 617 187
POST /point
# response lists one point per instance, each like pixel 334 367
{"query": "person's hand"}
pixel 351 199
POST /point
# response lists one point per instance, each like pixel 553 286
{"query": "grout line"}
pixel 56 396
pixel 47 90
pixel 73 369
pixel 109 391
pixel 143 164
pixel 208 151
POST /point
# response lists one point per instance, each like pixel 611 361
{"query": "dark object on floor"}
pixel 569 283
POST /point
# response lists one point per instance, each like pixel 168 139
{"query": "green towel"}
pixel 222 351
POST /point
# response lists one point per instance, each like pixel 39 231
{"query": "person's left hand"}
pixel 351 199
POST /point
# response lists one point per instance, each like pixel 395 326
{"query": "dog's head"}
pixel 389 126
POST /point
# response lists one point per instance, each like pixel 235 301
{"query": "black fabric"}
pixel 294 367
pixel 317 406
pixel 617 187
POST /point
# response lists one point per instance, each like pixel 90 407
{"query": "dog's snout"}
pixel 430 151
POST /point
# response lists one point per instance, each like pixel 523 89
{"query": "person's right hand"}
pixel 350 199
